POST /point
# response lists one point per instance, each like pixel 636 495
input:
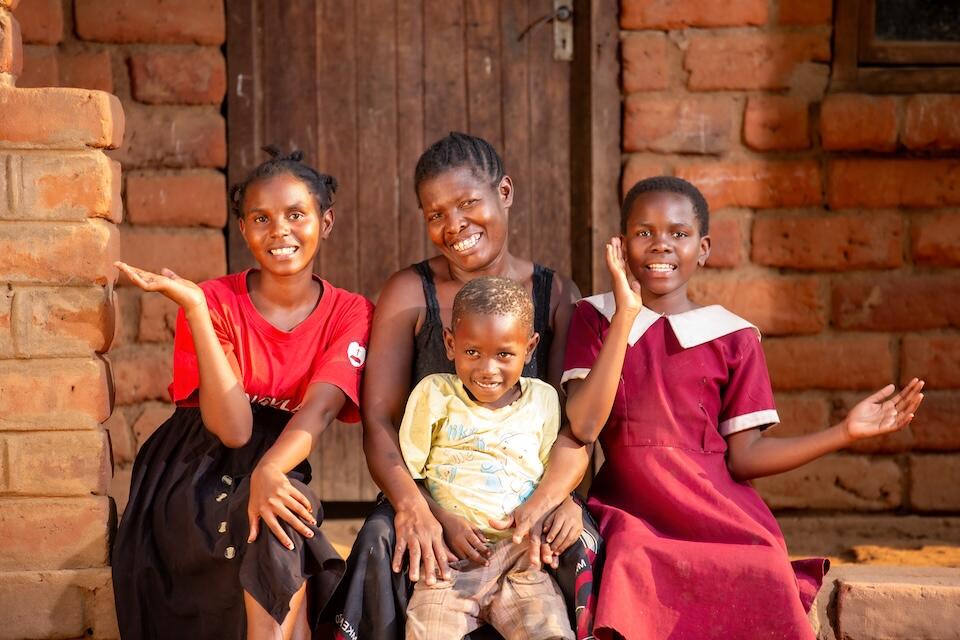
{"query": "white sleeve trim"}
pixel 765 418
pixel 573 374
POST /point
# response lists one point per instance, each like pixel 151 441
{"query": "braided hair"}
pixel 668 184
pixel 460 150
pixel 321 186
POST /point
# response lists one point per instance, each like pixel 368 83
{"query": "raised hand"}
pixel 182 291
pixel 884 412
pixel 626 291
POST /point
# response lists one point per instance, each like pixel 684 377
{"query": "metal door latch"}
pixel 562 19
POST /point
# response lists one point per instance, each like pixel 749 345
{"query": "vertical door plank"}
pixel 514 17
pixel 339 459
pixel 445 90
pixel 377 187
pixel 243 98
pixel 484 103
pixel 410 142
pixel 549 146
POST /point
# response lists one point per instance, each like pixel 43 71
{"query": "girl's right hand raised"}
pixel 184 292
pixel 626 291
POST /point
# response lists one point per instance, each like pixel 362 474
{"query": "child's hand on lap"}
pixel 272 495
pixel 880 413
pixel 626 290
pixel 184 292
pixel 465 540
pixel 563 528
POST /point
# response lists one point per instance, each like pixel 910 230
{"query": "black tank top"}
pixel 429 352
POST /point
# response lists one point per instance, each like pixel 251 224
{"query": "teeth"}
pixel 284 251
pixel 467 243
pixel 488 385
pixel 661 267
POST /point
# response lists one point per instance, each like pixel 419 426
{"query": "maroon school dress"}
pixel 690 552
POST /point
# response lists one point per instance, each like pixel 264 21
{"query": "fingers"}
pixel 295 520
pixel 882 394
pixel 274 525
pixel 398 551
pixel 535 550
pixel 429 563
pixel 553 526
pixel 440 554
pixel 502 524
pixel 302 502
pixel 413 551
pixel 567 536
pixel 476 548
pixel 254 526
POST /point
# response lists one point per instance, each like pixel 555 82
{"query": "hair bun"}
pixel 272 150
pixel 329 181
pixel 296 155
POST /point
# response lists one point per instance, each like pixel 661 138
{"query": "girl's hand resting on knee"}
pixel 273 496
pixel 182 291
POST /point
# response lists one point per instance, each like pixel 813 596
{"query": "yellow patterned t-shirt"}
pixel 477 462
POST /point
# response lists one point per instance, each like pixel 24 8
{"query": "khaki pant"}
pixel 518 600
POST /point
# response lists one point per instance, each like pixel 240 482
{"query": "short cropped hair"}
pixel 668 184
pixel 460 150
pixel 489 295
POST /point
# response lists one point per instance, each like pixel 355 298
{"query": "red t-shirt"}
pixel 278 366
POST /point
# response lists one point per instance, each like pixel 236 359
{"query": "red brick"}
pixel 120 488
pixel 142 373
pixel 41 605
pixel 751 60
pixel 726 233
pixel 59 118
pixel 153 416
pixel 129 316
pixel 646 62
pixel 65 253
pixel 53 394
pixel 877 183
pixel 66 186
pixel 932 122
pixel 935 359
pixel 852 121
pixel 936 426
pixel 826 241
pixel 41 68
pixel 162 21
pixel 806 12
pixel 934 479
pixel 86 70
pixel 198 76
pixel 638 168
pixel 830 362
pixel 657 14
pixel 60 463
pixel 123 446
pixel 194 254
pixel 53 533
pixel 760 184
pixel 63 321
pixel 174 137
pixel 776 123
pixel 896 442
pixel 41 21
pixel 897 602
pixel 688 124
pixel 935 239
pixel 898 302
pixel 800 414
pixel 848 482
pixel 7 349
pixel 776 304
pixel 158 318
pixel 11 45
pixel 181 199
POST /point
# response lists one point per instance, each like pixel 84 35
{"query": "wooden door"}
pixel 363 87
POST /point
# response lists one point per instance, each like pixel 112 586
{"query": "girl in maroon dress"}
pixel 220 538
pixel 678 395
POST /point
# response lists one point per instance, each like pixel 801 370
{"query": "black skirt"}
pixel 181 560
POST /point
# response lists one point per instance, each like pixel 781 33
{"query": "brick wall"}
pixel 59 211
pixel 835 228
pixel 163 59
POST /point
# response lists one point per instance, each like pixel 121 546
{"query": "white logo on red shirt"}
pixel 357 354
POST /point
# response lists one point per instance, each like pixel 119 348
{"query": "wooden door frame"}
pixel 594 137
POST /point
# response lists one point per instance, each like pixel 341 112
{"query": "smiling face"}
pixel 489 352
pixel 466 217
pixel 664 248
pixel 282 224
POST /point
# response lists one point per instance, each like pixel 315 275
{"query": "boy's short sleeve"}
pixel 424 409
pixel 341 362
pixel 551 423
pixel 747 399
pixel 186 368
pixel 584 340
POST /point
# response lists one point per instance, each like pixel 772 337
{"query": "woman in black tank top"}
pixel 465 199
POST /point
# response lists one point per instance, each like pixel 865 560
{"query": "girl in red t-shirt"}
pixel 264 360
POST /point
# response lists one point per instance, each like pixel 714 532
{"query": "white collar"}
pixel 692 328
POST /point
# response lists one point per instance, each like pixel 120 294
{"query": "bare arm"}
pixel 751 455
pixel 386 384
pixel 223 403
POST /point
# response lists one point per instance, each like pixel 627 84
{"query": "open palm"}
pixel 182 291
pixel 883 412
pixel 626 292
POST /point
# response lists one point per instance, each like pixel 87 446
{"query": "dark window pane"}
pixel 918 20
